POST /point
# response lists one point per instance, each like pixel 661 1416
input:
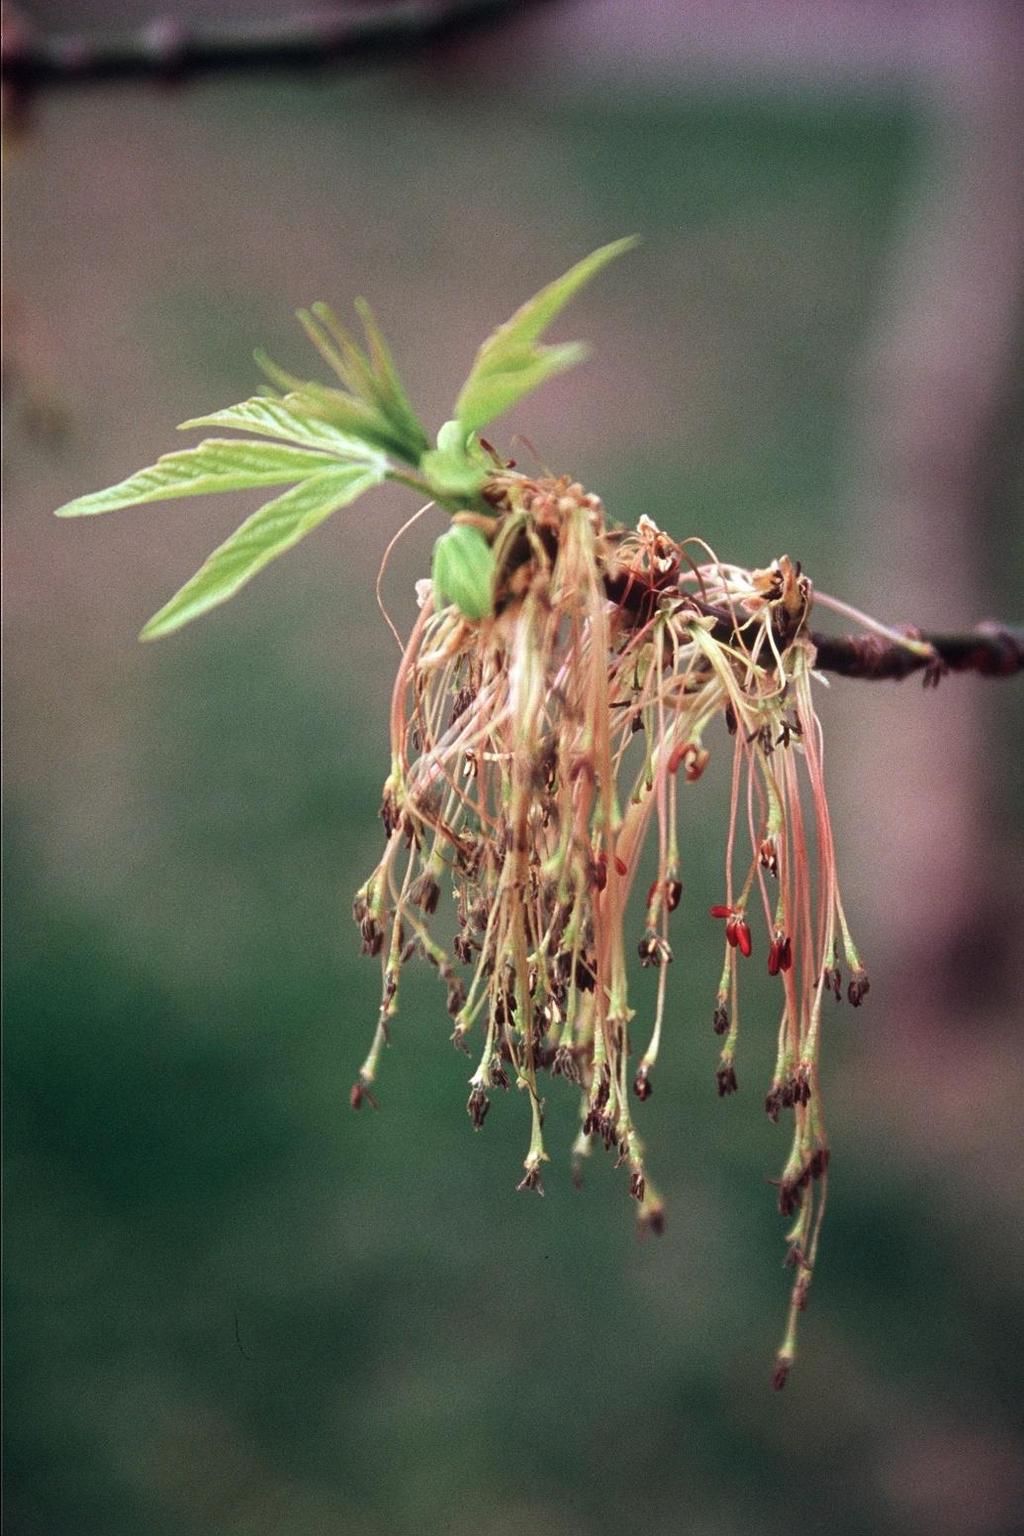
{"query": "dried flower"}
pixel 512 782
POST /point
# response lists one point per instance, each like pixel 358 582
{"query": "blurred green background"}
pixel 236 1308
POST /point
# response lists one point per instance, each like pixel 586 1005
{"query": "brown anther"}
pixel 532 1180
pixel 499 1077
pixel 642 1085
pixel 477 1106
pixel 725 1080
pixel 637 1184
pixel 458 1039
pixel 859 988
pixel 456 995
pixel 768 857
pixel 730 720
pixel 461 702
pixel 462 948
pixel 650 1218
pixel 390 814
pixel 372 936
pixel 773 1103
pixel 673 894
pixel 564 1064
pixel 720 1022
pixel 424 892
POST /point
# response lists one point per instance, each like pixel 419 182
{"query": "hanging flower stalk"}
pixel 562 688
pixel 534 753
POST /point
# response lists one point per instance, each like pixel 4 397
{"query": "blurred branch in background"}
pixel 170 49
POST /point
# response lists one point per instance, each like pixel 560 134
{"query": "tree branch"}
pixel 991 650
pixel 171 50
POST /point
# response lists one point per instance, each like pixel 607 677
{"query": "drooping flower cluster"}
pixel 533 755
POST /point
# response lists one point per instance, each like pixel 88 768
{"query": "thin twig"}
pixel 991 650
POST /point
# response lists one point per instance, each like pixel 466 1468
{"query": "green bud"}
pixel 455 469
pixel 463 572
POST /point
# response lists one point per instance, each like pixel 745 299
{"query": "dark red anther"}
pixel 721 911
pixel 673 892
pixel 780 955
pixel 780 1375
pixel 731 931
pixel 621 866
pixel 695 758
pixel 742 930
pixel 601 871
pixel 696 764
pixel 361 1095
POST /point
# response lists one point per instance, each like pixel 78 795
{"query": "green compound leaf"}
pixel 261 538
pixel 374 400
pixel 350 416
pixel 511 363
pixel 218 464
pixel 388 389
pixel 272 418
pixel 463 572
